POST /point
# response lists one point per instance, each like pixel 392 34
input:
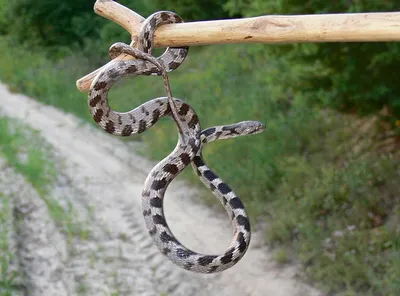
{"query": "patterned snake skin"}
pixel 188 150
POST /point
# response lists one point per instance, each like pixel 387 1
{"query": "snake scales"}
pixel 188 150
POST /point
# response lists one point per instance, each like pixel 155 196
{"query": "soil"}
pixel 101 177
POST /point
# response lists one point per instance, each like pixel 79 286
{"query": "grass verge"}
pixel 7 276
pixel 331 198
pixel 30 156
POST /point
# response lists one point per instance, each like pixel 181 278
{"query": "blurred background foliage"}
pixel 324 174
pixel 339 76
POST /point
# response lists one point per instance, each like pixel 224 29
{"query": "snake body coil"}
pixel 188 150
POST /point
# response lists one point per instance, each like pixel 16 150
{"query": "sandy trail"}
pixel 102 177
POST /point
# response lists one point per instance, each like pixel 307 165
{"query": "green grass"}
pixel 329 197
pixel 39 78
pixel 67 219
pixel 28 153
pixel 7 276
pixel 336 222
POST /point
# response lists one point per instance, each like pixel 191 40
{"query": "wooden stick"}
pixel 361 27
pixel 119 14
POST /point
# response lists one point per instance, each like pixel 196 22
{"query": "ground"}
pixel 101 178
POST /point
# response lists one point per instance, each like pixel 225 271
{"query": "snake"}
pixel 191 141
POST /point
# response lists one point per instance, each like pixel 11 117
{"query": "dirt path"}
pixel 102 177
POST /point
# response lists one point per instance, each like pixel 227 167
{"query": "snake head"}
pixel 231 131
pixel 245 128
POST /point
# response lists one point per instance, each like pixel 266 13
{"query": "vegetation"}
pixel 333 75
pixel 29 155
pixel 22 147
pixel 325 181
pixel 7 276
pixel 339 75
